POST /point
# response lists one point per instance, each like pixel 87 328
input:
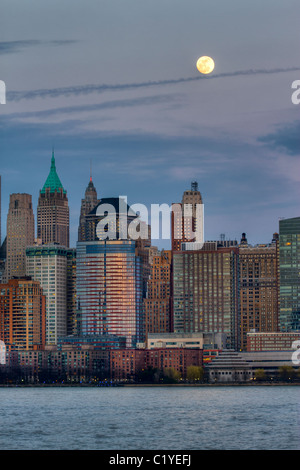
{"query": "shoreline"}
pixel 123 385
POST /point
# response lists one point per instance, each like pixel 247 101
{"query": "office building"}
pixel 275 341
pixel 258 290
pixel 20 234
pixel 3 261
pixel 0 212
pixel 189 219
pixel 22 315
pixel 53 211
pixel 289 274
pixel 71 292
pixel 109 289
pixel 48 265
pixel 127 364
pixel 206 293
pixel 88 203
pixel 157 304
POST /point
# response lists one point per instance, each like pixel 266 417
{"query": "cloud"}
pixel 11 47
pixel 102 88
pixel 284 139
pixel 142 101
pixel 235 178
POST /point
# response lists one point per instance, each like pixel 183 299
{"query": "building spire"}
pixel 53 182
pixel 52 159
pixel 91 179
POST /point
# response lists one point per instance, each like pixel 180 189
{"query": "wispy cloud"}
pixel 12 47
pixel 112 104
pixel 102 88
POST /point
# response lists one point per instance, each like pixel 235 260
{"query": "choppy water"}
pixel 150 418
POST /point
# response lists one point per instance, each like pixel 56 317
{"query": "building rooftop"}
pixel 53 182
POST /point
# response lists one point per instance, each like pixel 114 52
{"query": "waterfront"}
pixel 150 418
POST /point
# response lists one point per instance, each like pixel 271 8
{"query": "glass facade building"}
pixel 289 274
pixel 109 289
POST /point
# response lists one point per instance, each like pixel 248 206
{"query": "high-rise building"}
pixel 3 261
pixel 48 265
pixel 157 304
pixel 109 219
pixel 109 289
pixel 111 272
pixel 71 292
pixel 20 234
pixel 258 290
pixel 87 204
pixel 53 211
pixel 0 213
pixel 185 225
pixel 289 274
pixel 206 292
pixel 22 315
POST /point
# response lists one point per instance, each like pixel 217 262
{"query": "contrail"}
pixel 102 88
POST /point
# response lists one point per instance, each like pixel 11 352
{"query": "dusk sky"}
pixel 115 82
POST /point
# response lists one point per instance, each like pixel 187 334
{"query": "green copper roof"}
pixel 53 182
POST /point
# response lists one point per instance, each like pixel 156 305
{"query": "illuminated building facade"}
pixel 157 304
pixel 22 315
pixel 109 289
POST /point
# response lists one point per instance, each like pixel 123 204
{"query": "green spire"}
pixel 53 182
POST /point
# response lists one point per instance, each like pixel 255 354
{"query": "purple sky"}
pixel 116 82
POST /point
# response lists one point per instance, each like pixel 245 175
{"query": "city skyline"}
pixel 162 242
pixel 126 94
pixel 149 227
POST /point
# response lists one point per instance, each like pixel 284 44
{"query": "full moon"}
pixel 205 64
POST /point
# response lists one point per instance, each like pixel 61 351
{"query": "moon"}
pixel 205 64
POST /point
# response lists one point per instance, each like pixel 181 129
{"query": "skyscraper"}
pixel 206 292
pixel 22 314
pixel 258 290
pixel 20 234
pixel 289 274
pixel 109 289
pixel 53 210
pixel 71 292
pixel 184 227
pixel 87 204
pixel 48 265
pixel 0 214
pixel 109 274
pixel 157 304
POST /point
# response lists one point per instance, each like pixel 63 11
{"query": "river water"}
pixel 150 418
